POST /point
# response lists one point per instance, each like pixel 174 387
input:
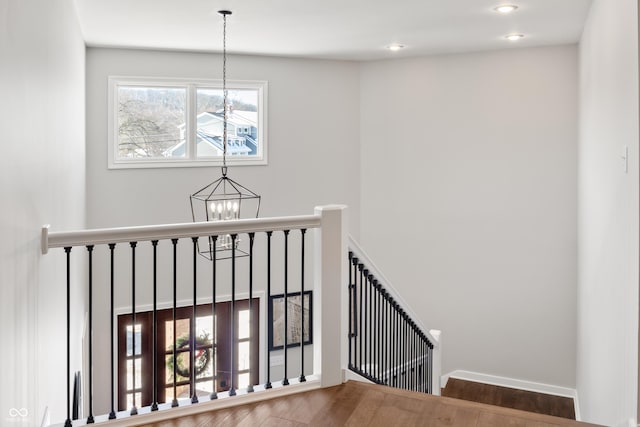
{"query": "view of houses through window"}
pixel 160 123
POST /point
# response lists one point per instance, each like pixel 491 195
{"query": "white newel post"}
pixel 436 367
pixel 330 294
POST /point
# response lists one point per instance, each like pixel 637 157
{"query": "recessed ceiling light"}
pixel 514 37
pixel 395 47
pixel 506 8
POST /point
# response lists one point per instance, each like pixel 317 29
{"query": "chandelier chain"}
pixel 224 92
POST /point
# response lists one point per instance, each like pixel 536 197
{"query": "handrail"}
pixel 60 239
pixel 362 256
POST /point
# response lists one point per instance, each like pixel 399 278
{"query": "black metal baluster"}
pixel 302 377
pixel 90 419
pixel 67 250
pixel 404 348
pixel 350 290
pixel 378 334
pixel 268 384
pixel 154 327
pixel 430 379
pixel 112 414
pixel 360 327
pixel 134 410
pixel 370 326
pixel 354 319
pixel 232 390
pixel 214 326
pixel 285 381
pixel 251 337
pixel 174 242
pixel 414 358
pixel 192 334
pixel 393 344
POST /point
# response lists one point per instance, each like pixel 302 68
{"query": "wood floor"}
pixel 510 398
pixel 359 404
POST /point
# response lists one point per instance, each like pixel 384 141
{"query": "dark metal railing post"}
pixel 192 334
pixel 134 409
pixel 360 328
pixel 302 377
pixel 90 419
pixel 285 381
pixel 350 290
pixel 174 242
pixel 67 423
pixel 251 239
pixel 269 234
pixel 112 414
pixel 154 376
pixel 232 390
pixel 214 330
pixel 370 325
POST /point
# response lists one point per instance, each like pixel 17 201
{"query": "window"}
pixel 175 122
pixel 245 351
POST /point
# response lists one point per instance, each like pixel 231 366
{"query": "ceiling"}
pixel 335 29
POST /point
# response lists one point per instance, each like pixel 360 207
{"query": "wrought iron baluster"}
pixel 154 376
pixel 234 371
pixel 351 313
pixel 134 409
pixel 192 329
pixel 302 377
pixel 112 246
pixel 90 419
pixel 285 381
pixel 174 242
pixel 67 250
pixel 214 324
pixel 268 384
pixel 251 337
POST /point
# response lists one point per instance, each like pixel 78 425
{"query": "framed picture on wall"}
pixel 299 320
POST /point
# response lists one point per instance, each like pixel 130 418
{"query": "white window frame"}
pixel 191 86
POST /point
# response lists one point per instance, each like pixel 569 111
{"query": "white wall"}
pixel 607 364
pixel 42 181
pixel 313 160
pixel 469 202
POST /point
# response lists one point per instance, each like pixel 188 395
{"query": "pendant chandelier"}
pixel 224 199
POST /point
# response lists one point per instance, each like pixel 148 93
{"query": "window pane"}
pixel 130 402
pixel 138 373
pixel 182 325
pixel 138 337
pixel 244 331
pixel 242 122
pixel 151 122
pixel 244 356
pixel 243 380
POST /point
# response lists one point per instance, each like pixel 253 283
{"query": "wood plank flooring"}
pixel 510 398
pixel 359 404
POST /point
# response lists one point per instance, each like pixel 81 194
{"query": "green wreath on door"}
pixel 203 355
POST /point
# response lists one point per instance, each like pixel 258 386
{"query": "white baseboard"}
pixel 515 383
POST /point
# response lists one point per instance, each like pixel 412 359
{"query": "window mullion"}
pixel 192 113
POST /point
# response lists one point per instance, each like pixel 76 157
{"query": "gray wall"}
pixel 469 202
pixel 607 364
pixel 42 181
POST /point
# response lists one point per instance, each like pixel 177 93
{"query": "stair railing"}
pixel 387 343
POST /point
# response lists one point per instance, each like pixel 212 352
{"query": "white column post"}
pixel 330 294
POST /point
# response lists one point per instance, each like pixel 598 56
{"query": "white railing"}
pixel 330 278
